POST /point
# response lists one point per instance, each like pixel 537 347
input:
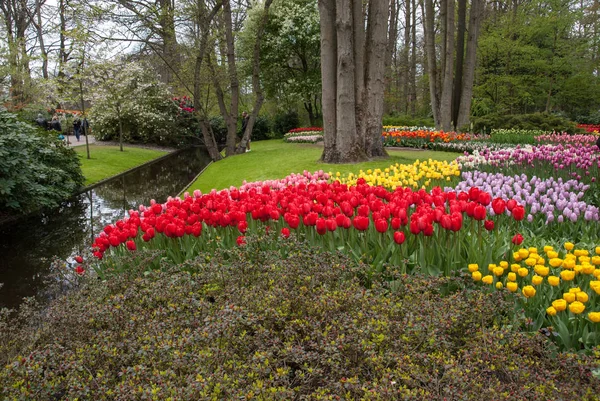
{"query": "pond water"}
pixel 27 245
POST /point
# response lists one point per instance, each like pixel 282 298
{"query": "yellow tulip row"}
pixel 420 174
pixel 577 268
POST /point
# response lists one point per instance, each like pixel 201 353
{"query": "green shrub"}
pixel 515 136
pixel 284 122
pixel 293 324
pixel 36 169
pixel 536 121
pixel 402 121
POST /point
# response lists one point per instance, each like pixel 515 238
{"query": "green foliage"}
pixel 36 169
pixel 408 121
pixel 284 122
pixel 515 136
pixel 536 121
pixel 293 324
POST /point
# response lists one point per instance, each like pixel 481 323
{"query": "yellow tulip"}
pixel 594 317
pixel 584 259
pixel 587 268
pixel 595 285
pixel 580 252
pixel 569 297
pixel 504 264
pixel 552 254
pixel 541 270
pixel 476 275
pixel 533 250
pixel 597 273
pixel 597 250
pixel 582 296
pixel 528 291
pixel 540 261
pixel 560 305
pixel 553 281
pixel 499 285
pixel 569 263
pixel 574 290
pixel 569 246
pixel 517 257
pixel 523 253
pixel 596 260
pixel 473 267
pixel 512 276
pixel 551 311
pixel 491 267
pixel 512 286
pixel 515 267
pixel 523 272
pixel 567 275
pixel 537 280
pixel 555 262
pixel 577 268
pixel 577 307
pixel 487 279
pixel 530 261
pixel 548 248
pixel 498 271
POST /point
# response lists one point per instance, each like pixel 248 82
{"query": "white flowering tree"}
pixel 128 100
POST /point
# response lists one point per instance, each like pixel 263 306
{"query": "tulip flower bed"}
pixel 591 128
pixel 304 135
pixel 368 222
pixel 564 138
pixel 425 138
pixel 554 289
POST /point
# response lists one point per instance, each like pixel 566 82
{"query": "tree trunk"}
pixel 327 11
pixel 460 53
pixel 412 96
pixel 120 127
pixel 391 49
pixel 255 80
pixel 308 106
pixel 428 16
pixel 376 37
pixel 231 118
pixel 166 20
pixel 470 61
pixel 40 35
pixel 358 49
pixel 446 98
pixel 405 57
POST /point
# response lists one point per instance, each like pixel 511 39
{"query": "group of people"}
pixel 79 126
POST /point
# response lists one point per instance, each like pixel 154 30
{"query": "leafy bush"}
pixel 293 324
pixel 408 121
pixel 36 169
pixel 148 113
pixel 284 122
pixel 593 118
pixel 261 129
pixel 536 121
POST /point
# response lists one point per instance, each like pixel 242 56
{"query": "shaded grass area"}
pixel 276 159
pixel 107 161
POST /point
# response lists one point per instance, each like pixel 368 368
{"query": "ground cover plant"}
pixel 297 323
pixel 108 161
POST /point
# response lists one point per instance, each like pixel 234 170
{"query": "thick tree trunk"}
pixel 258 101
pixel 405 57
pixel 390 50
pixel 358 49
pixel 166 20
pixel 446 97
pixel 470 61
pixel 429 32
pixel 376 35
pixel 327 11
pixel 412 95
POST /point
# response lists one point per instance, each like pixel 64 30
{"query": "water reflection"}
pixel 66 231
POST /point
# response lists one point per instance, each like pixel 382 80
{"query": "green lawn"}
pixel 275 159
pixel 107 161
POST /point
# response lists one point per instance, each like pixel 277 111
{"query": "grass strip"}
pixel 274 159
pixel 108 161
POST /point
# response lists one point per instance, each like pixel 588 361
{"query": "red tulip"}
pixel 399 237
pixel 80 270
pixel 321 226
pixel 241 240
pixel 242 226
pixel 381 225
pixel 131 245
pixel 510 204
pixel 361 223
pixel 285 232
pixel 78 259
pixel 489 225
pixel 479 212
pixel 499 206
pixel 518 213
pixel 517 239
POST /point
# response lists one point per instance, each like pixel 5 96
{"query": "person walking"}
pixel 245 118
pixel 42 122
pixel 77 128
